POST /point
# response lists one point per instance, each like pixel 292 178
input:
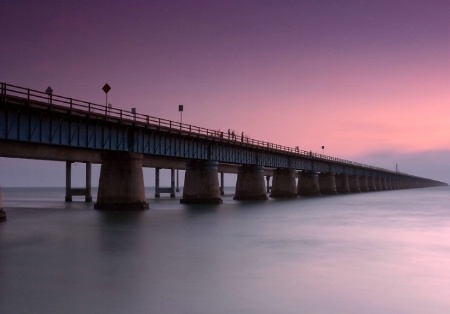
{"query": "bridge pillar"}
pixel 250 183
pixel 308 184
pixel 387 182
pixel 372 184
pixel 171 190
pixel 364 183
pixel 394 183
pixel 379 183
pixel 283 184
pixel 327 183
pixel 268 187
pixel 353 182
pixel 157 193
pixel 343 183
pixel 2 212
pixel 86 192
pixel 384 182
pixel 121 184
pixel 201 183
pixel 222 183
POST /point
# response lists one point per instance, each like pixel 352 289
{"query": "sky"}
pixel 368 80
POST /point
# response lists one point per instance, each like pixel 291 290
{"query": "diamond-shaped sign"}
pixel 49 90
pixel 106 88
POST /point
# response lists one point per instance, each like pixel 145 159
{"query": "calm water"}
pixel 379 252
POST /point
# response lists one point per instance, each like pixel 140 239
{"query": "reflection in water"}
pixel 383 252
pixel 119 231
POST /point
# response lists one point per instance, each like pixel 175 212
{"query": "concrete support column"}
pixel 88 195
pixel 364 184
pixel 353 182
pixel 308 184
pixel 222 183
pixel 379 182
pixel 283 184
pixel 2 212
pixel 394 183
pixel 343 184
pixel 172 183
pixel 86 192
pixel 201 183
pixel 387 182
pixel 384 183
pixel 268 187
pixel 250 183
pixel 372 183
pixel 157 193
pixel 327 183
pixel 121 184
pixel 68 197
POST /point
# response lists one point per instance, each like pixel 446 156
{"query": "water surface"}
pixel 376 252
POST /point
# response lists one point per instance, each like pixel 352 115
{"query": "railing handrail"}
pixel 53 101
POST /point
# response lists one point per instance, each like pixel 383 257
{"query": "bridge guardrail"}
pixel 8 91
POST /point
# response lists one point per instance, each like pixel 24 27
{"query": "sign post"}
pixel 106 88
pixel 180 109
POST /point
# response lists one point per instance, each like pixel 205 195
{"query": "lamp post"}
pixel 323 150
pixel 180 109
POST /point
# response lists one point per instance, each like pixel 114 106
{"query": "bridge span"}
pixel 37 125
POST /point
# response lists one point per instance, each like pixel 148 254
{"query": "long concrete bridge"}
pixel 44 126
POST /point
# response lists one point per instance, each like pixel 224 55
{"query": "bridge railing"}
pixel 28 96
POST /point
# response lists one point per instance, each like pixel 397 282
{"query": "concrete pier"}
pixel 2 212
pixel 327 183
pixel 372 183
pixel 353 181
pixel 171 190
pixel 201 183
pixel 121 184
pixel 342 184
pixel 250 183
pixel 386 184
pixel 364 184
pixel 308 184
pixel 86 192
pixel 379 182
pixel 396 184
pixel 283 184
pixel 268 187
pixel 389 183
pixel 222 183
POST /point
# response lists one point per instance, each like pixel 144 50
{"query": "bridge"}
pixel 44 126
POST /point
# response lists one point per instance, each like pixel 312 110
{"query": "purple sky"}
pixel 369 80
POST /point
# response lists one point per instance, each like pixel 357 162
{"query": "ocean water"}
pixel 376 252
